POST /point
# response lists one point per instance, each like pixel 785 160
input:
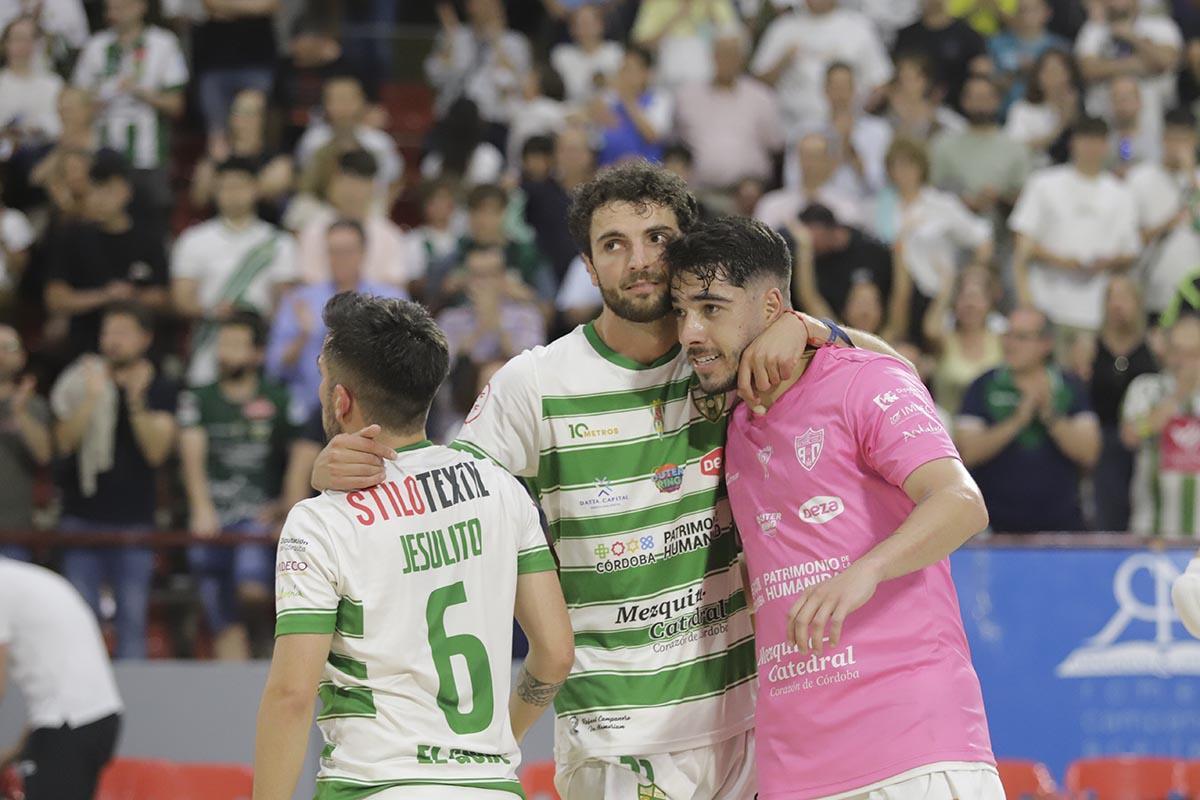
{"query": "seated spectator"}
pixel 1053 103
pixel 16 238
pixel 731 125
pixel 1015 50
pixel 982 165
pixel 115 428
pixel 1158 418
pixel 461 151
pixel 28 92
pixel 234 437
pixel 956 49
pixel 680 35
pixel 351 197
pixel 233 50
pixel 588 63
pixel 818 167
pixel 540 111
pixel 344 130
pixel 1075 225
pixel 933 227
pixel 1134 138
pixel 245 138
pixel 959 332
pixel 912 104
pixel 546 201
pixel 490 325
pixel 25 443
pixel 298 329
pixel 108 257
pixel 861 139
pixel 434 243
pixel 1122 354
pixel 1025 431
pixel 232 261
pixel 1168 207
pixel 632 119
pixel 797 49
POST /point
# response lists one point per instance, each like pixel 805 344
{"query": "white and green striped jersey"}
pixel 1163 494
pixel 154 62
pixel 416 580
pixel 626 462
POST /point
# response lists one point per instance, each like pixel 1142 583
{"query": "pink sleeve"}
pixel 895 421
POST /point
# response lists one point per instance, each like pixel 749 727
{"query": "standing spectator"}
pixel 109 257
pixel 350 197
pixel 731 124
pixel 233 446
pixel 547 201
pixel 461 151
pixel 63 25
pixel 1168 207
pixel 913 104
pixel 28 93
pixel 1025 431
pixel 116 427
pixel 955 47
pixel 862 139
pixel 1122 354
pixel 1053 102
pixel 25 443
pixel 77 141
pixel 958 331
pixel 299 330
pixel 486 206
pixel 680 34
pixel 864 308
pixel 888 16
pixel 232 50
pixel 1159 419
pixel 1134 138
pixel 434 243
pixel 797 49
pixel 817 172
pixel 1075 225
pixel 589 62
pixel 1015 50
pixel 540 111
pixel 232 261
pixel 137 75
pixel 633 119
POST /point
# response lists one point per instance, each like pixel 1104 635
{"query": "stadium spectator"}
pixel 16 238
pixel 1134 140
pixel 985 18
pixel 233 261
pixel 1016 50
pixel 234 438
pixel 1075 225
pixel 589 62
pixel 1168 205
pixel 888 16
pixel 632 119
pixel 797 48
pixel 115 427
pixel 461 151
pixel 310 438
pixel 731 124
pixel 934 228
pixel 351 197
pixel 245 137
pixel 62 26
pixel 818 166
pixel 958 330
pixel 344 130
pixel 864 309
pixel 546 201
pixel 298 331
pixel 680 34
pixel 1025 430
pixel 434 243
pixel 1159 420
pixel 136 74
pixel 1122 354
pixel 43 168
pixel 25 443
pixel 233 49
pixel 912 105
pixel 982 165
pixel 110 256
pixel 956 49
pixel 540 111
pixel 1053 102
pixel 28 92
pixel 862 139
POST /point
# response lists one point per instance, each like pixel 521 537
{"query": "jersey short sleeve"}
pixel 533 553
pixel 895 421
pixel 504 423
pixel 1143 394
pixel 172 71
pixel 307 574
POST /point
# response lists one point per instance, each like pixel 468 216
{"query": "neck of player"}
pixel 395 441
pixel 644 342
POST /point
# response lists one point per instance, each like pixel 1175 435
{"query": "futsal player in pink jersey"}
pixel 849 496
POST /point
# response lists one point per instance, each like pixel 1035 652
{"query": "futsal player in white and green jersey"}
pixel 394 604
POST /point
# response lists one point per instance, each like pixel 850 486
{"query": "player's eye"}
pixel 678 312
pixel 611 246
pixel 659 237
pixel 711 308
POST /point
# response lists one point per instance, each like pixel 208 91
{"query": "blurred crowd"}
pixel 1006 190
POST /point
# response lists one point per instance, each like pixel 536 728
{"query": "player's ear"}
pixel 773 303
pixel 591 270
pixel 343 401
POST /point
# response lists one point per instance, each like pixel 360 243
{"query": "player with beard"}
pixel 234 441
pixel 849 496
pixel 609 430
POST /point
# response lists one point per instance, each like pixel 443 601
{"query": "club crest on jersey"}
pixel 710 406
pixel 808 447
pixel 658 412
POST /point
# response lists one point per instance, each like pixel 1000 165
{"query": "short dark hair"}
pixel 638 182
pixel 1180 117
pixel 131 308
pixel 360 163
pixel 484 193
pixel 238 164
pixel 817 214
pixel 734 249
pixel 679 150
pixel 349 225
pixel 108 164
pixel 250 319
pixel 1090 126
pixel 537 146
pixel 389 353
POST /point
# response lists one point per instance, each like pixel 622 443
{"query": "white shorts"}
pixel 976 782
pixel 723 771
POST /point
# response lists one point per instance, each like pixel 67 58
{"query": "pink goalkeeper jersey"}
pixel 816 483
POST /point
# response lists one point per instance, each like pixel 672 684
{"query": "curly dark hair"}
pixel 638 182
pixel 389 353
pixel 733 249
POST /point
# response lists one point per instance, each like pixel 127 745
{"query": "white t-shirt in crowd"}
pixel 578 69
pixel 1160 195
pixel 16 234
pixel 540 116
pixel 388 161
pixel 56 655
pixel 782 206
pixel 485 165
pixel 1029 122
pixel 1075 216
pixel 30 102
pixel 577 290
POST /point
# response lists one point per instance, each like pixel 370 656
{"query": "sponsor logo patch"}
pixel 668 478
pixel 820 509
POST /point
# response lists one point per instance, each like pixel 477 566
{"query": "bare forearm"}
pixel 62 299
pixel 279 745
pixel 154 433
pixel 640 121
pixel 1079 440
pixel 937 526
pixel 532 695
pixel 36 437
pixel 69 432
pixel 978 446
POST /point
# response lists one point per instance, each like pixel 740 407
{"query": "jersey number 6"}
pixel 479 717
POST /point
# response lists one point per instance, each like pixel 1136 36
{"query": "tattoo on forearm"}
pixel 535 692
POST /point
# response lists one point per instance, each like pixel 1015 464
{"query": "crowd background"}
pixel 1006 190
